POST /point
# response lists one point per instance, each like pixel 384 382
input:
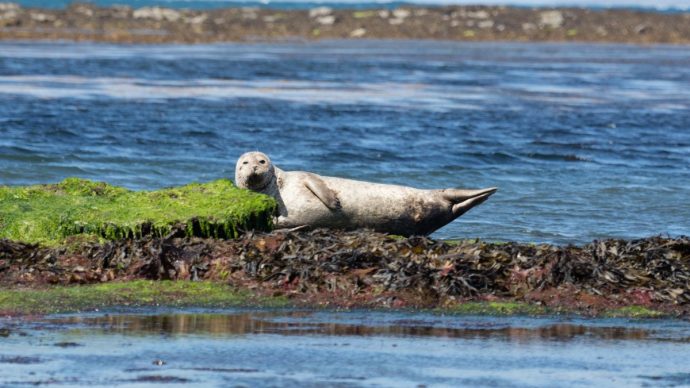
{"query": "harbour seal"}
pixel 311 200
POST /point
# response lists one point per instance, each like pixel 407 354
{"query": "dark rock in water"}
pixel 159 379
pixel 21 360
pixel 67 344
pixel 372 269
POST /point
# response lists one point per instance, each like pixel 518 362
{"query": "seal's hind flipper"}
pixel 317 186
pixel 464 200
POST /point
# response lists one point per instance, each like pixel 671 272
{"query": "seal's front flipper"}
pixel 464 200
pixel 317 186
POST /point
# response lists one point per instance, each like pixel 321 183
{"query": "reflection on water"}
pixel 301 324
pixel 326 348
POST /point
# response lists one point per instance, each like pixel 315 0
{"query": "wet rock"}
pixel 250 13
pixel 159 362
pixel 325 20
pixel 9 11
pixel 83 10
pixel 160 379
pixel 21 360
pixel 477 14
pixel 320 11
pixel 551 19
pixel 9 7
pixel 120 11
pixel 198 19
pixel 642 28
pixel 4 332
pixel 401 13
pixel 529 26
pixel 8 15
pixel 398 16
pixel 358 33
pixel 67 344
pixel 42 17
pixel 157 13
pixel 485 24
pixel 271 18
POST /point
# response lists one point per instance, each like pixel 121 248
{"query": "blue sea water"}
pixel 584 141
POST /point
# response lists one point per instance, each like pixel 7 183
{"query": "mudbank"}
pixel 368 269
pixel 470 23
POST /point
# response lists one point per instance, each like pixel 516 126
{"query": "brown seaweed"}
pixel 374 269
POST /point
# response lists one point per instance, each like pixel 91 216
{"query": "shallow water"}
pixel 584 141
pixel 360 348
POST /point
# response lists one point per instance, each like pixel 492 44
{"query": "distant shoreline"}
pixel 121 24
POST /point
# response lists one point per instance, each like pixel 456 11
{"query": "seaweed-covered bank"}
pixel 327 268
pixel 463 23
pixel 214 241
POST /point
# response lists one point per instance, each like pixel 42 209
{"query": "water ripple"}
pixel 583 141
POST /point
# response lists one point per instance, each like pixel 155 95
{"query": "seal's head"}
pixel 254 171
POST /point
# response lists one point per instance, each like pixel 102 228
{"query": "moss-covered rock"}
pixel 47 214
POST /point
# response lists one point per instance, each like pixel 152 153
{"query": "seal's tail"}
pixel 464 200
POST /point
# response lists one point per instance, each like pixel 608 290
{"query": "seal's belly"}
pixel 364 205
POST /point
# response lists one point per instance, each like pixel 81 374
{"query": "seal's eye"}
pixel 262 161
pixel 245 162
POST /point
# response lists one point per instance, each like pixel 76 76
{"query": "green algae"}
pixel 211 294
pixel 60 299
pixel 497 308
pixel 510 308
pixel 634 312
pixel 48 214
pixel 363 14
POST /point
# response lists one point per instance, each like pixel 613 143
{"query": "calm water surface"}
pixel 584 141
pixel 360 348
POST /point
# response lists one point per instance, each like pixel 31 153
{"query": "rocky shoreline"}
pixel 121 24
pixel 372 270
